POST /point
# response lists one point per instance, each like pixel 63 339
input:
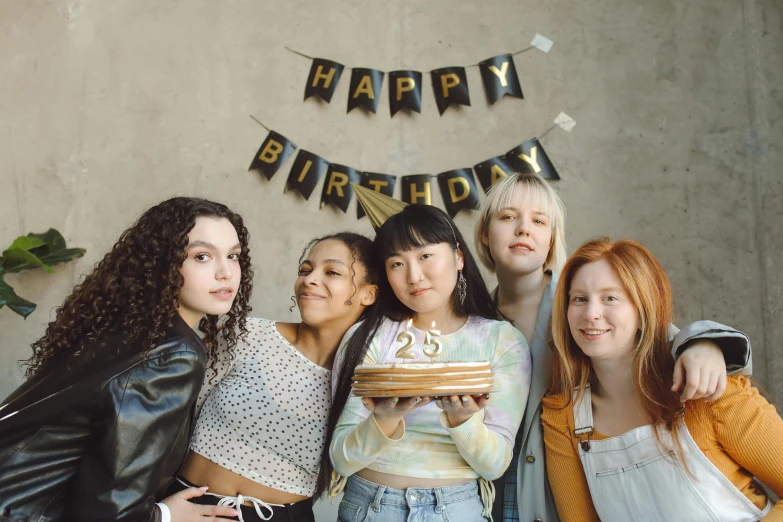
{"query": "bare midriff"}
pixel 403 482
pixel 201 471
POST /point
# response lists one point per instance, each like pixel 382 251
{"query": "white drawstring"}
pixel 236 503
pixel 337 485
pixel 487 492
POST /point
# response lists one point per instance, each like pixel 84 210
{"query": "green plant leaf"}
pixel 17 259
pixel 62 256
pixel 50 237
pixel 38 251
pixel 14 302
pixel 27 242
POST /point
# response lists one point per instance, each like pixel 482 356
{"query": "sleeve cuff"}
pixel 372 430
pixel 467 429
pixel 165 513
pixel 735 347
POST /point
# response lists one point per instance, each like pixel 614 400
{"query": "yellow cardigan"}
pixel 740 433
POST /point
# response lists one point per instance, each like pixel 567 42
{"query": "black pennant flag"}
pixel 272 154
pixel 404 91
pixel 381 183
pixel 365 89
pixel 337 186
pixel 493 170
pixel 305 173
pixel 530 156
pixel 500 78
pixel 458 190
pixel 451 86
pixel 323 78
pixel 417 189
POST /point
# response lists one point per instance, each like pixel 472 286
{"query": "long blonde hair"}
pixel 649 288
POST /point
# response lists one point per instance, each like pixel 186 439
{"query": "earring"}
pixel 462 288
pixel 348 302
pixel 291 308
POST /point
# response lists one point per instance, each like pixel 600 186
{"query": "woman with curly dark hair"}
pixel 103 421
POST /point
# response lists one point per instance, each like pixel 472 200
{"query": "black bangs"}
pixel 414 227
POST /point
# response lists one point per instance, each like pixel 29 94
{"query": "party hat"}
pixel 377 206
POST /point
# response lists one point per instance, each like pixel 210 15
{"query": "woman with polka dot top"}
pixel 261 428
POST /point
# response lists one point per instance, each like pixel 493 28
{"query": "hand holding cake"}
pixel 460 409
pixel 389 412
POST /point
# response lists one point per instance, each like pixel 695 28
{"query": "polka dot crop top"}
pixel 263 414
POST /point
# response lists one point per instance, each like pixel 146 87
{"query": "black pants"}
pixel 301 511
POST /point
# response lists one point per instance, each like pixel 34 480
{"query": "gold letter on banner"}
pixel 497 174
pixel 337 181
pixel 426 193
pixel 270 152
pixel 501 73
pixel 365 87
pixel 304 171
pixel 377 184
pixel 319 74
pixel 409 83
pixel 453 191
pixel 531 160
pixel 448 81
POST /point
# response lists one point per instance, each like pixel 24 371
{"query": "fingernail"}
pixel 416 400
pixel 204 488
pixel 464 399
pixel 364 403
pixel 394 400
pixel 235 513
pixel 439 403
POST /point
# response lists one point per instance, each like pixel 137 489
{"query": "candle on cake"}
pixel 431 338
pixel 408 341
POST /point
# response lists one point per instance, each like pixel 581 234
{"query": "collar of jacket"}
pixel 76 372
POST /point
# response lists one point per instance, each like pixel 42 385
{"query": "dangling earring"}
pixel 291 308
pixel 462 287
pixel 348 302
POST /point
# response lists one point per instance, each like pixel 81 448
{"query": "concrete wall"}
pixel 107 107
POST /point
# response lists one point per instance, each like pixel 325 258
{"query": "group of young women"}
pixel 153 384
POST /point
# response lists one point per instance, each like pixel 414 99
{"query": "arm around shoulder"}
pixel 734 344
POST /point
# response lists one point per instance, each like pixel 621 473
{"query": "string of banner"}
pixel 450 84
pixel 457 187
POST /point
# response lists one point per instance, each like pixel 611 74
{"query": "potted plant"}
pixel 27 253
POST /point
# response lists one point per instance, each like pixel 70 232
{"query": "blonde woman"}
pixel 521 238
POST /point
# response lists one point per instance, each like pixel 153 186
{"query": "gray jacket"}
pixel 534 497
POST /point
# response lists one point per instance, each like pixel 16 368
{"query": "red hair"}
pixel 650 291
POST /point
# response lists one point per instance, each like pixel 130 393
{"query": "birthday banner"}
pixel 457 187
pixel 449 84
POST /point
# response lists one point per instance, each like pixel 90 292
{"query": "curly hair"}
pixel 134 290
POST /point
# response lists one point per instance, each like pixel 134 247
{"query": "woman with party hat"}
pixel 425 458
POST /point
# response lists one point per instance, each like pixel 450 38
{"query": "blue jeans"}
pixel 365 501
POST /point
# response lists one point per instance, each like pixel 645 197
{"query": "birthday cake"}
pixel 422 379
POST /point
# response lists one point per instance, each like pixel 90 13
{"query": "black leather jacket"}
pixel 94 437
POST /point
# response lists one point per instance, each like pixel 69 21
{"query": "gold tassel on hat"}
pixel 377 206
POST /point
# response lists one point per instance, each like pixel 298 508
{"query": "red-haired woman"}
pixel 619 443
